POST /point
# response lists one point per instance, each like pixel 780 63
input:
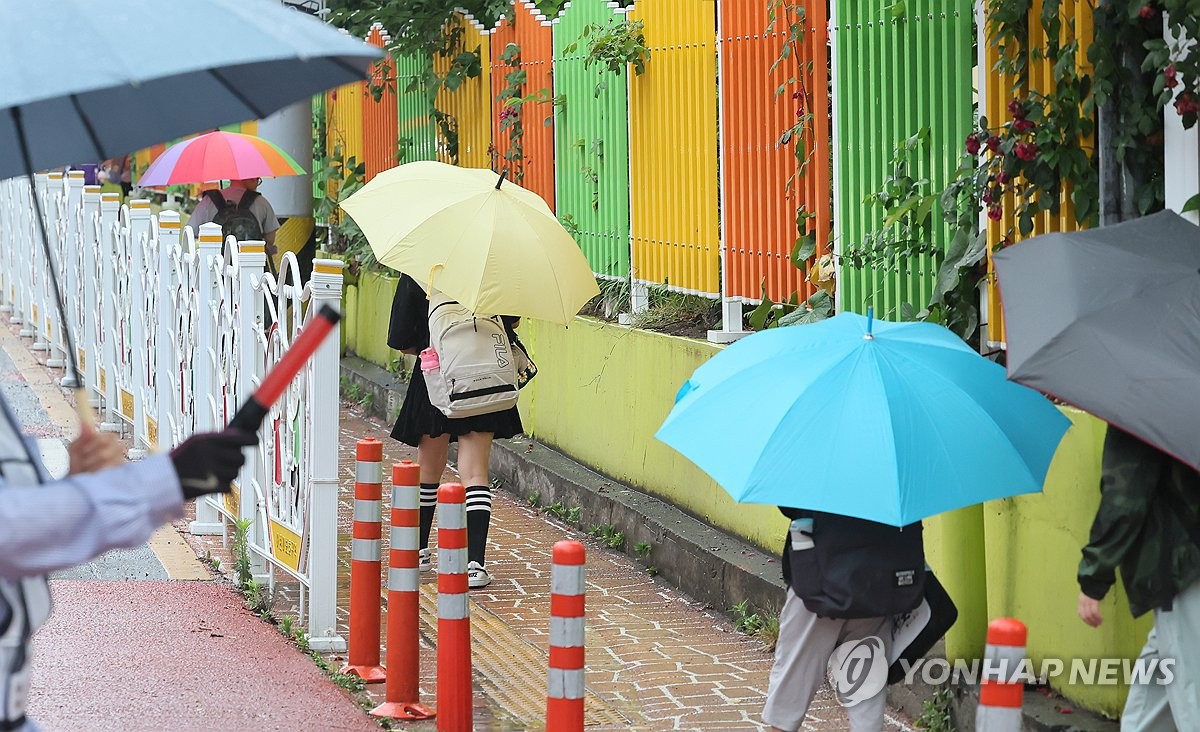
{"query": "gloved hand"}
pixel 209 461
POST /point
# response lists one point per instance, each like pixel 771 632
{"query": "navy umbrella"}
pixel 1108 319
pixel 84 80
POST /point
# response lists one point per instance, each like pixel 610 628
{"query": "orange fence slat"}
pixel 760 208
pixel 379 117
pixel 533 166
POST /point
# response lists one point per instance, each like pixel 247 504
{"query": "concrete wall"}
pixel 603 390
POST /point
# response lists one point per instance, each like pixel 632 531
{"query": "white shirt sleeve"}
pixel 56 525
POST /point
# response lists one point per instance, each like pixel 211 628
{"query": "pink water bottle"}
pixel 430 360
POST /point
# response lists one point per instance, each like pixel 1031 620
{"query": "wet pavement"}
pixel 656 660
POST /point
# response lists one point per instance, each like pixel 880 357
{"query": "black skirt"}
pixel 419 418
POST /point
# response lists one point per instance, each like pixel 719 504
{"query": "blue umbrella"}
pixel 892 423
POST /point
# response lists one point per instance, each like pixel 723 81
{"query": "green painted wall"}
pixel 367 308
pixel 603 390
pixel 1033 549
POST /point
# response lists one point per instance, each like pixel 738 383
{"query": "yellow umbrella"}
pixel 490 244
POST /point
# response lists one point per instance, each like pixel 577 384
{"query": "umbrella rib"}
pixel 87 125
pixel 258 113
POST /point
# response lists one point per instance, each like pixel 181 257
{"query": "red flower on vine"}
pixel 1026 150
pixel 972 144
pixel 1147 12
pixel 1021 126
pixel 1003 177
pixel 1169 79
pixel 993 144
pixel 1186 104
pixel 1016 109
pixel 994 213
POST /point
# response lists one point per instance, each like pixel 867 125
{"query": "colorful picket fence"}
pixel 379 115
pixel 703 174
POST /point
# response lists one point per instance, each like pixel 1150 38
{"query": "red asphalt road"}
pixel 178 656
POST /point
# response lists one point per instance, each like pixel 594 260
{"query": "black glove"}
pixel 208 462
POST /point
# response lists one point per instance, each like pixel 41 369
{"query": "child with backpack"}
pixel 427 428
pixel 851 584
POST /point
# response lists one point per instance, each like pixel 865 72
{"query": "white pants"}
pixel 1176 706
pixel 806 642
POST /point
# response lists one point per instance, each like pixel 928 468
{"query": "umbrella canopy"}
pixel 1108 319
pixel 491 245
pixel 91 81
pixel 890 423
pixel 219 156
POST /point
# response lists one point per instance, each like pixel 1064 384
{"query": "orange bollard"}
pixel 404 588
pixel 564 696
pixel 454 623
pixel 1000 697
pixel 362 657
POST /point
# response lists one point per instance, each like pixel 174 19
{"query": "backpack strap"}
pixel 248 199
pixel 216 198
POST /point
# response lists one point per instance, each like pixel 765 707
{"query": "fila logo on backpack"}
pixel 475 371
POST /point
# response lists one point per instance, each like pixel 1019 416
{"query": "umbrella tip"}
pixel 868 336
pixel 503 175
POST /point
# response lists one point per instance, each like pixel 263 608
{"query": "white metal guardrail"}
pixel 172 333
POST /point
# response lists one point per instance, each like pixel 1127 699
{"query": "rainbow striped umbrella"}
pixel 219 156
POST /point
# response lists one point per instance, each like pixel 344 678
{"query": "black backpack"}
pixel 858 568
pixel 236 221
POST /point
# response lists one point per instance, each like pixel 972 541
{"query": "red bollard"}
pixel 404 594
pixel 362 658
pixel 1000 696
pixel 564 696
pixel 454 623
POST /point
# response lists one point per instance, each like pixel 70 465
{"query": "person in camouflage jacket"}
pixel 1148 524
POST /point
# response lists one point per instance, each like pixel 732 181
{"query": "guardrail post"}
pixel 110 322
pixel 89 345
pixel 70 210
pixel 36 321
pixel 322 454
pixel 164 376
pixel 204 363
pixel 139 230
pixel 251 261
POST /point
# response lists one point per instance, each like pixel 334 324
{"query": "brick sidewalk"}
pixel 655 659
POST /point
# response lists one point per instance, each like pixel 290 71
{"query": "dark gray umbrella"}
pixel 83 81
pixel 1108 319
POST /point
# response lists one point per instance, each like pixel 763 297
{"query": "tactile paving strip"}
pixel 512 672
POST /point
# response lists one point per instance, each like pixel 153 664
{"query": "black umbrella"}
pixel 1108 319
pixel 84 81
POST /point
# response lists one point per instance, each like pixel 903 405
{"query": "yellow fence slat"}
pixel 470 105
pixel 673 146
pixel 1000 90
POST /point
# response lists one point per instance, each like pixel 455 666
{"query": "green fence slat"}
pixel 894 77
pixel 592 145
pixel 414 123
